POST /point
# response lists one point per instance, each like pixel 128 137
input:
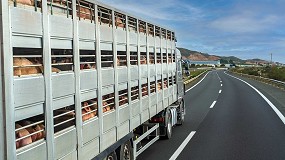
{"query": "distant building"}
pixel 210 63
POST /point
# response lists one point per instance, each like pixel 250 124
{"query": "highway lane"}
pixel 240 126
pixel 197 102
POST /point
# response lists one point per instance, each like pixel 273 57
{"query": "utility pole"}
pixel 271 58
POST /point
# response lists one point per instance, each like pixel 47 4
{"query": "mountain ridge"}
pixel 199 56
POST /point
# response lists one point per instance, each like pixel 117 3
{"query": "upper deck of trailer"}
pixel 29 22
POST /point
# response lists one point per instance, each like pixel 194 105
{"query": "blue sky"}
pixel 243 28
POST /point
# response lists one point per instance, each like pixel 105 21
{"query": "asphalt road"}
pixel 240 125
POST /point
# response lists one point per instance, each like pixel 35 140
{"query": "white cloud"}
pixel 245 22
pixel 167 10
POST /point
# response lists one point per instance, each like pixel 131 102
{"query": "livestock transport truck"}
pixel 83 80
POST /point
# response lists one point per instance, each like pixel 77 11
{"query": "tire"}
pixel 125 152
pixel 181 116
pixel 168 127
pixel 111 156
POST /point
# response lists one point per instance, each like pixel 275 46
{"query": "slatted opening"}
pixel 164 57
pixel 169 58
pixel 60 7
pixel 158 58
pixel 151 30
pixel 85 10
pixel 121 58
pixel 159 85
pixel 173 36
pixel 173 57
pixel 168 35
pixel 157 31
pixel 27 4
pixel 170 81
pixel 174 80
pixel 89 109
pixel 152 87
pixel 87 59
pixel 163 33
pixel 120 20
pixel 105 16
pixel 143 58
pixel 63 118
pixel 62 60
pixel 144 90
pixel 165 83
pixel 108 102
pixel 107 59
pixel 151 58
pixel 134 58
pixel 142 26
pixel 132 23
pixel 29 130
pixel 135 93
pixel 123 97
pixel 27 61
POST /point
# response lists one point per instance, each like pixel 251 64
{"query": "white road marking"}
pixel 218 76
pixel 197 83
pixel 182 146
pixel 213 104
pixel 220 91
pixel 279 114
pixel 221 85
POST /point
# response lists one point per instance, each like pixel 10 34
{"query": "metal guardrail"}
pixel 273 82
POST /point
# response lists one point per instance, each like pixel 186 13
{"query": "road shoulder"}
pixel 275 95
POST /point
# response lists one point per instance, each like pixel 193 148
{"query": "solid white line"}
pixel 279 114
pixel 220 91
pixel 221 85
pixel 212 106
pixel 197 83
pixel 182 146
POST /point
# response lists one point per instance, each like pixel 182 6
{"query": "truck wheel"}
pixel 181 113
pixel 126 152
pixel 111 156
pixel 168 127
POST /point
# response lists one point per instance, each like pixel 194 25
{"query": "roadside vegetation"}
pixel 277 73
pixel 193 74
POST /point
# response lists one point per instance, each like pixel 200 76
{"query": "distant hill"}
pixel 199 56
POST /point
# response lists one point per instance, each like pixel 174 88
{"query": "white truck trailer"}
pixel 83 80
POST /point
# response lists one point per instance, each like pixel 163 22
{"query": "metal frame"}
pixel 2 105
pixel 154 127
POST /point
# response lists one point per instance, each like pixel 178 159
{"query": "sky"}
pixel 243 28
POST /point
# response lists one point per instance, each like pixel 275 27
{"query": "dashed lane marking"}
pixel 213 104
